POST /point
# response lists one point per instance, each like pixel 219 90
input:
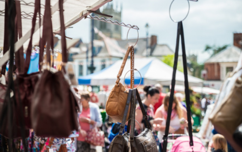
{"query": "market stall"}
pixel 152 71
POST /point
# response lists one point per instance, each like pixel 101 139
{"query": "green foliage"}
pixel 214 49
pixel 197 69
pixel 169 60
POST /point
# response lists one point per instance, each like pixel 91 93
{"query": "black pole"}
pixel 91 67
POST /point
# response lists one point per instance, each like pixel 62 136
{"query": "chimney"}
pixel 238 40
pixel 153 40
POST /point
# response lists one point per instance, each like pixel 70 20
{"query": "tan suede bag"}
pixel 227 117
pixel 118 97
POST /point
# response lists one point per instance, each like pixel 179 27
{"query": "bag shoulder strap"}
pixel 125 112
pixel 123 64
pixel 187 94
pixel 29 49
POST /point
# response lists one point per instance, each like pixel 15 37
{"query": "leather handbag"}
pixel 54 110
pixel 118 97
pixel 25 83
pixel 8 109
pixel 120 143
pixel 145 141
pixel 95 137
pixel 227 116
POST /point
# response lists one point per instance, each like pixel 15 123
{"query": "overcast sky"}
pixel 210 22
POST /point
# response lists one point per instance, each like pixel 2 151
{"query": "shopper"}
pixel 152 97
pixel 89 118
pixel 218 144
pixel 178 118
pixel 162 96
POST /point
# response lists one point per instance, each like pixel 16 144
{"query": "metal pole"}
pixel 147 43
pixel 92 68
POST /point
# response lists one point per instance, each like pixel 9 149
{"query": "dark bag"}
pixel 8 110
pixel 25 83
pixel 4 115
pixel 187 94
pixel 145 141
pixel 54 110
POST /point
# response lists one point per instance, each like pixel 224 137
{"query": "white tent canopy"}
pixel 74 11
pixel 152 70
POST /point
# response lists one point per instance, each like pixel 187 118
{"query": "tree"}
pixel 169 60
pixel 214 49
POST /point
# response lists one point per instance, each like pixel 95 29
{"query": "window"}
pixel 116 28
pixel 80 69
pixel 229 69
pixel 103 64
pixel 102 25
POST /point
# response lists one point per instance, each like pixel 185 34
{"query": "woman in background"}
pixel 89 118
pixel 178 118
pixel 151 97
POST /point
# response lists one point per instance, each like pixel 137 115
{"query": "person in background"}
pixel 152 97
pixel 204 104
pixel 89 118
pixel 180 98
pixel 162 96
pixel 102 97
pixel 178 118
pixel 218 144
pixel 93 97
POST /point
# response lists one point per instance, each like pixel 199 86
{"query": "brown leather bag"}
pixel 54 110
pixel 227 117
pixel 25 83
pixel 118 97
pixel 145 141
pixel 4 115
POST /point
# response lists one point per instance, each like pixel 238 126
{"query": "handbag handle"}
pixel 63 36
pixel 145 116
pixel 19 58
pixel 179 33
pixel 47 36
pixel 123 64
pixel 29 49
pixel 132 67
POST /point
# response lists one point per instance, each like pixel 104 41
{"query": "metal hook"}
pixel 184 17
pixel 134 70
pixel 137 35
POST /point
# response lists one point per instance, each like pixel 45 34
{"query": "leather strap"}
pixel 187 94
pixel 125 113
pixel 29 49
pixel 19 57
pixel 47 36
pixel 145 116
pixel 123 64
pixel 6 34
pixel 132 68
pixel 63 36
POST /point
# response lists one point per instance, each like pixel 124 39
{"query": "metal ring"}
pixel 134 70
pixel 137 36
pixel 184 17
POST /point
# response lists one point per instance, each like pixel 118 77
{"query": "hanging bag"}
pixel 25 83
pixel 184 143
pixel 118 97
pixel 227 116
pixel 9 103
pixel 54 110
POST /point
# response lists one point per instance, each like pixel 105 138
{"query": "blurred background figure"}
pixel 162 96
pixel 180 98
pixel 89 118
pixel 151 98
